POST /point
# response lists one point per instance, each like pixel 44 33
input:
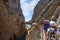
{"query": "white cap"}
pixel 52 23
pixel 46 20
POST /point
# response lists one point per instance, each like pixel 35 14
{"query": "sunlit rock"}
pixel 39 7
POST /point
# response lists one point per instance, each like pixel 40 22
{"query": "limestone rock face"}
pixel 39 7
pixel 57 12
pixel 52 10
pixel 47 12
pixel 11 20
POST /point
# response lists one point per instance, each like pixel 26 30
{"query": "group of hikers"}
pixel 51 30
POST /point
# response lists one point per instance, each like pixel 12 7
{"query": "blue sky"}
pixel 28 7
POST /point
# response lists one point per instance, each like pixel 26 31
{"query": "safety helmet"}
pixel 52 23
pixel 46 21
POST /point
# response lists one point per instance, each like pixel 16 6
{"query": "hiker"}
pixel 51 32
pixel 46 26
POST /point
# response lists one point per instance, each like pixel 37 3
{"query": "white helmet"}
pixel 52 23
pixel 46 20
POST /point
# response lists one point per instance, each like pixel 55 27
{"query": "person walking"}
pixel 51 32
pixel 46 26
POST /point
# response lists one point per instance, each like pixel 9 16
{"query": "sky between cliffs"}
pixel 28 8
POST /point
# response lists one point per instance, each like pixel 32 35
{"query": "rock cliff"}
pixel 12 22
pixel 39 7
pixel 48 11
